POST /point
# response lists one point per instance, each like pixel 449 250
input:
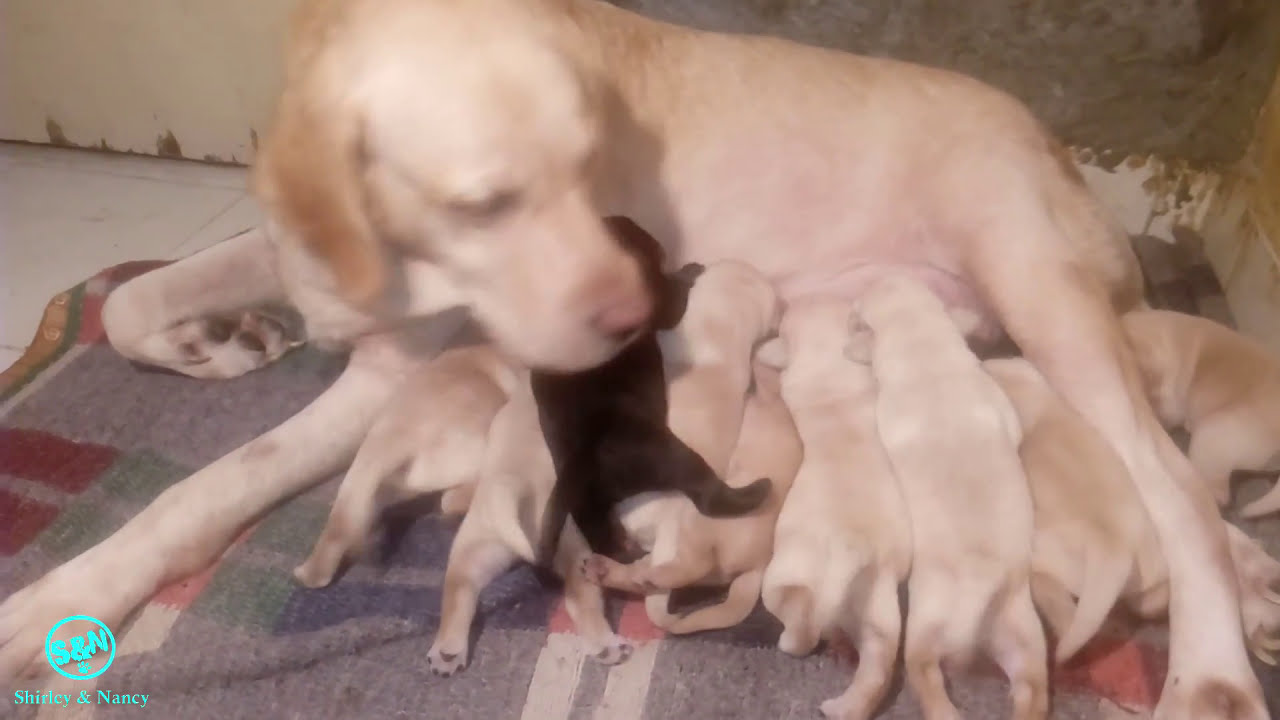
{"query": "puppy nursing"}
pixel 1222 387
pixel 952 439
pixel 731 308
pixel 431 438
pixel 843 540
pixel 1093 537
pixel 607 427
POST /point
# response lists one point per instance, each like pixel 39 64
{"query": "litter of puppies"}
pixel 897 460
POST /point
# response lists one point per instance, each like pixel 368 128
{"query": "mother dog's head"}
pixel 465 135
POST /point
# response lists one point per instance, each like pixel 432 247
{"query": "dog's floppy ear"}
pixel 773 353
pixel 309 174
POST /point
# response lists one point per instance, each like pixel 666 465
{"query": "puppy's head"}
pixel 465 135
pixel 741 295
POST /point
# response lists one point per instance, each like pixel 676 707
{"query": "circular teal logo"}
pixel 80 657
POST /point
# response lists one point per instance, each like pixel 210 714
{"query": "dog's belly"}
pixel 813 225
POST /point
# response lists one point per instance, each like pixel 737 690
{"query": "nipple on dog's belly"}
pixel 952 289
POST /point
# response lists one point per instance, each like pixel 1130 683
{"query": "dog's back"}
pixel 844 523
pixel 952 439
pixel 949 429
pixel 833 402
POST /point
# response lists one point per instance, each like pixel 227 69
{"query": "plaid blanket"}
pixel 87 439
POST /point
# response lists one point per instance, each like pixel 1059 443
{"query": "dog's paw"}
pixel 226 346
pixel 444 662
pixel 614 650
pixel 1258 576
pixel 1212 698
pixel 27 616
pixel 595 568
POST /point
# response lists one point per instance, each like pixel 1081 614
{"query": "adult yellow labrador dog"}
pixel 428 154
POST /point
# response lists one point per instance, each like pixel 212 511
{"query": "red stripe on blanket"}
pixel 636 625
pixel 91 332
pixel 117 274
pixel 1122 671
pixel 51 460
pixel 21 519
pixel 559 621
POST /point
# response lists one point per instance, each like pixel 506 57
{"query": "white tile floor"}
pixel 66 214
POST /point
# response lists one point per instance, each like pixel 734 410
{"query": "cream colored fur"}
pixel 431 154
pixel 952 438
pixel 842 545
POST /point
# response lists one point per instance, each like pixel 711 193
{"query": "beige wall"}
pixel 194 78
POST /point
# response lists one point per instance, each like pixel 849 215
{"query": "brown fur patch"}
pixel 308 174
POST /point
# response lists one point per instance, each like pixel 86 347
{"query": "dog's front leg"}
pixel 1062 319
pixel 476 557
pixel 195 520
pixel 584 601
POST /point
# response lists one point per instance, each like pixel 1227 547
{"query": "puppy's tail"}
pixel 1107 575
pixel 720 499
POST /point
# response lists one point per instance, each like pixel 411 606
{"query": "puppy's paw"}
pixel 595 568
pixel 797 641
pixel 444 662
pixel 310 574
pixel 614 650
pixel 837 708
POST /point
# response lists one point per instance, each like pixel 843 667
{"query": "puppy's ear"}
pixel 309 174
pixel 861 340
pixel 673 298
pixel 773 353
